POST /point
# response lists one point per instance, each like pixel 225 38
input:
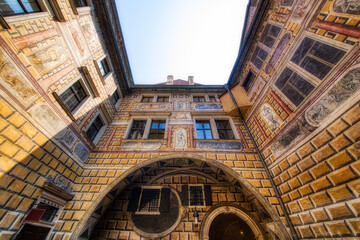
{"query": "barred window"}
pixel 163 99
pixel 224 129
pixel 203 129
pixel 259 57
pixel 293 86
pixel 137 129
pixel 316 57
pixel 73 96
pixel 196 196
pixel 199 99
pixel 157 130
pixel 147 99
pixel 150 200
pixel 15 7
pixel 94 128
pixel 269 35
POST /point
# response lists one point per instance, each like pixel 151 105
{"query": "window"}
pixel 259 57
pixel 212 99
pixel 248 80
pixel 115 97
pixel 316 57
pixel 150 200
pixel 224 129
pixel 147 99
pixel 137 129
pixel 80 3
pixel 199 99
pixel 203 129
pixel 196 196
pixel 103 67
pixel 94 128
pixel 157 130
pixel 50 212
pixel 15 7
pixel 269 35
pixel 73 96
pixel 162 99
pixel 293 86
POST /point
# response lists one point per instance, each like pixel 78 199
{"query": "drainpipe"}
pixel 291 226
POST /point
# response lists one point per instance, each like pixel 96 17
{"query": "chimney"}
pixel 191 80
pixel 170 80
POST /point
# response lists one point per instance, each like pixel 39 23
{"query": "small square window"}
pixel 224 129
pixel 115 97
pixel 94 128
pixel 162 99
pixel 150 200
pixel 196 196
pixel 103 67
pixel 203 129
pixel 137 129
pixel 73 96
pixel 199 99
pixel 157 130
pixel 212 99
pixel 9 8
pixel 147 99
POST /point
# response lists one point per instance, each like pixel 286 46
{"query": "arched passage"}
pixel 98 207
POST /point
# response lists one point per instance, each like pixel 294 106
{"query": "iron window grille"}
pixel 150 200
pixel 73 96
pixel 16 7
pixel 196 196
pixel 203 129
pixel 199 99
pixel 94 128
pixel 137 129
pixel 224 129
pixel 157 130
pixel 104 67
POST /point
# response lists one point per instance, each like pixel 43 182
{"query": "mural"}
pixel 78 39
pixel 219 145
pixel 15 82
pixel 69 140
pixel 301 8
pixel 180 138
pixel 347 6
pixel 181 115
pixel 181 105
pixel 287 3
pixel 141 145
pixel 81 152
pixel 343 90
pixel 205 106
pixel 153 107
pixel 284 41
pixel 90 34
pixel 256 89
pixel 270 117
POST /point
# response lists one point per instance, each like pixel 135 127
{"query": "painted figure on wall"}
pixel 300 10
pixel 49 58
pixel 347 6
pixel 287 2
pixel 180 138
pixel 271 118
pixel 284 41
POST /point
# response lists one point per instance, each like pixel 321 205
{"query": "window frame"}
pixel 255 56
pixel 206 98
pixel 116 105
pixel 214 130
pixel 271 24
pixel 108 62
pixel 23 8
pixel 147 96
pixel 101 130
pixel 137 212
pixel 203 195
pixel 147 129
pixel 162 96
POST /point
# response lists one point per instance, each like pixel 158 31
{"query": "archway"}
pixel 84 228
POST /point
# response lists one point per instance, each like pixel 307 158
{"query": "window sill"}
pixel 26 17
pixel 147 213
pixel 83 10
pixel 77 110
pixel 106 76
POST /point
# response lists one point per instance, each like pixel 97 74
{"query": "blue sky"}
pixel 199 38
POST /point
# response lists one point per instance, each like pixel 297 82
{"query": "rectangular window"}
pixel 103 67
pixel 115 97
pixel 15 7
pixel 295 88
pixel 212 99
pixel 269 35
pixel 150 200
pixel 316 57
pixel 163 99
pixel 80 3
pixel 50 212
pixel 196 196
pixel 157 130
pixel 137 129
pixel 259 57
pixel 248 81
pixel 203 129
pixel 199 99
pixel 94 128
pixel 73 96
pixel 224 129
pixel 147 99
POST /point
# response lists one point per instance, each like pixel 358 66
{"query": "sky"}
pixel 199 38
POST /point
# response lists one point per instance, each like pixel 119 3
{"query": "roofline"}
pixel 173 87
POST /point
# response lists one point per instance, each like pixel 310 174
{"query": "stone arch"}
pixel 120 184
pixel 226 209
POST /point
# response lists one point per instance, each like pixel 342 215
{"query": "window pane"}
pixel 31 6
pixel 157 130
pixel 316 68
pixel 50 212
pixel 8 7
pixel 208 134
pixel 137 129
pixel 150 200
pixel 196 196
pixel 302 50
pixel 200 134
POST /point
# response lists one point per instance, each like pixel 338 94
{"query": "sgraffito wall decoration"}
pixel 347 6
pixel 284 41
pixel 270 117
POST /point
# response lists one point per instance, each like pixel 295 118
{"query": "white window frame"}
pixel 203 195
pixel 214 131
pixel 147 126
pixel 87 91
pixel 140 197
pixel 102 129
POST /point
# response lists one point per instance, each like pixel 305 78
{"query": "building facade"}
pixel 86 154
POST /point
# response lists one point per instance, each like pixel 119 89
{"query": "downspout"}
pixel 288 220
